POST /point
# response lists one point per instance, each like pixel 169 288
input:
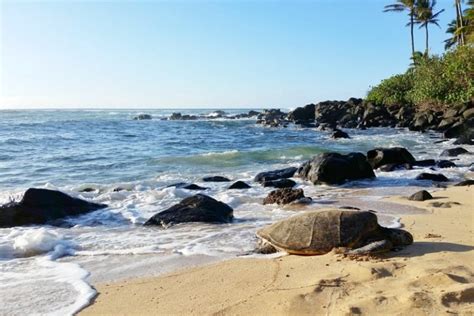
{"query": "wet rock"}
pixel 424 163
pixel 87 190
pixel 279 183
pixel 118 189
pixel 275 174
pixel 335 168
pixel 382 156
pixel 445 164
pixel 239 185
pixel 464 140
pixel 196 208
pixel 41 206
pixel 432 176
pixel 142 117
pixel 421 196
pixel 187 186
pixel 394 166
pixel 284 196
pixel 215 179
pixel 303 114
pixel 453 152
pixel 465 183
pixel 339 134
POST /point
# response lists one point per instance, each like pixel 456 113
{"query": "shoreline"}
pixel 434 275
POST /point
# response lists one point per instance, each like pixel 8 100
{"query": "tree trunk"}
pixel 426 29
pixel 412 35
pixel 460 21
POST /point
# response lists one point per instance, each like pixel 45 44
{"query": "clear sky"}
pixel 172 54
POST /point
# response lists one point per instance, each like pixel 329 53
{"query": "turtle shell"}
pixel 318 232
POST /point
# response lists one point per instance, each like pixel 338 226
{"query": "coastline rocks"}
pixel 394 166
pixel 279 183
pixel 196 208
pixel 40 206
pixel 424 163
pixel 275 174
pixel 454 152
pixel 272 118
pixel 421 196
pixel 445 164
pixel 432 176
pixel 465 183
pixel 381 156
pixel 187 186
pixel 303 114
pixel 216 179
pixel 339 134
pixel 142 117
pixel 284 196
pixel 238 185
pixel 335 168
pixel 177 116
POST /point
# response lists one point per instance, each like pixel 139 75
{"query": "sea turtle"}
pixel 318 232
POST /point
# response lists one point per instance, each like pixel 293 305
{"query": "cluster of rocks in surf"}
pixel 454 121
pixel 42 206
pixel 219 114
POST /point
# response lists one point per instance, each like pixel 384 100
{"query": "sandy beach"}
pixel 435 275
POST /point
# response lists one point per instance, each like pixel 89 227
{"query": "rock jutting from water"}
pixel 275 174
pixel 284 196
pixel 335 168
pixel 41 206
pixel 196 208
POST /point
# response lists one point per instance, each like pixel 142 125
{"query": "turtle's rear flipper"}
pixel 372 248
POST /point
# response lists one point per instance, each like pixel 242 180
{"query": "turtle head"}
pixel 399 237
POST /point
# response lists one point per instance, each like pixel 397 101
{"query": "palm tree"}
pixel 454 30
pixel 425 17
pixel 405 5
pixel 459 22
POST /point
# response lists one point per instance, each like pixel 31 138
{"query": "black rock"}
pixel 196 208
pixel 339 134
pixel 275 174
pixel 87 190
pixel 464 140
pixel 239 185
pixel 142 117
pixel 382 156
pixel 335 168
pixel 445 164
pixel 40 206
pixel 424 163
pixel 302 114
pixel 453 152
pixel 279 183
pixel 395 166
pixel 284 196
pixel 465 183
pixel 421 196
pixel 215 179
pixel 431 176
pixel 187 186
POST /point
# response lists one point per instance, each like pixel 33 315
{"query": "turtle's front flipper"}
pixel 372 248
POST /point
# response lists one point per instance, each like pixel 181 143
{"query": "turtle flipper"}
pixel 264 248
pixel 374 247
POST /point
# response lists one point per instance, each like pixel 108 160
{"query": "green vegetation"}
pixel 433 80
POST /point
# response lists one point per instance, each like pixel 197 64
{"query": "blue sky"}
pixel 184 54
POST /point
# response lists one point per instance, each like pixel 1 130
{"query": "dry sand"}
pixel 433 276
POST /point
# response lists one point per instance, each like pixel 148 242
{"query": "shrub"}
pixel 392 91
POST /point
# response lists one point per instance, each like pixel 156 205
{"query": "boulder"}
pixel 187 186
pixel 382 156
pixel 453 152
pixel 41 206
pixel 279 183
pixel 395 166
pixel 284 196
pixel 303 114
pixel 339 134
pixel 445 164
pixel 142 117
pixel 335 168
pixel 465 183
pixel 464 140
pixel 215 179
pixel 196 208
pixel 421 196
pixel 424 163
pixel 432 176
pixel 239 185
pixel 275 174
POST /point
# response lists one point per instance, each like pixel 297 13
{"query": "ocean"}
pixel 49 270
